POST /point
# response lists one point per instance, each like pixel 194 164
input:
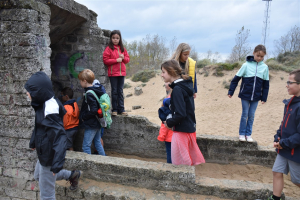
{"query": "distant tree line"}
pixel 152 50
pixel 289 42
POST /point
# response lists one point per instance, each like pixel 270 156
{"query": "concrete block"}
pixel 130 171
pixel 23 27
pixel 60 190
pixel 18 154
pixel 20 193
pixel 18 173
pixel 23 15
pixel 21 132
pixel 32 186
pixel 7 141
pixel 77 194
pixel 16 99
pixel 233 189
pixel 5 198
pixel 29 4
pixel 23 144
pixel 2 191
pixel 15 64
pixel 16 183
pixel 13 110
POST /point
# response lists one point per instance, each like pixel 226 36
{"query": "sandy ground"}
pixel 216 114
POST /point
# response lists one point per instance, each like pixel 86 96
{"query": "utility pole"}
pixel 266 25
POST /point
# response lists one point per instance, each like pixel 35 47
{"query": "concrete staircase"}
pixel 107 177
pixel 160 180
pixel 95 190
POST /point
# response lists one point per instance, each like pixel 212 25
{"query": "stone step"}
pixel 162 177
pixel 136 135
pixel 95 190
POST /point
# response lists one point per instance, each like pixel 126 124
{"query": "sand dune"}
pixel 216 114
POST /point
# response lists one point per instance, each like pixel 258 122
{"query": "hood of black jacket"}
pixel 251 59
pixel 69 102
pixel 295 100
pixel 187 85
pixel 39 87
pixel 98 90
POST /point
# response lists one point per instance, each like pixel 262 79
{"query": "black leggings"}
pixel 117 84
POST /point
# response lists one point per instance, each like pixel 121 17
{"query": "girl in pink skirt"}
pixel 184 148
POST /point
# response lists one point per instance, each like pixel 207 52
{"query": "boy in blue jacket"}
pixel 89 111
pixel 287 139
pixel 48 136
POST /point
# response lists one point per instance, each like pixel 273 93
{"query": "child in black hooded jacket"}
pixel 48 136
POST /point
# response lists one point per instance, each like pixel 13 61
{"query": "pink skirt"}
pixel 185 150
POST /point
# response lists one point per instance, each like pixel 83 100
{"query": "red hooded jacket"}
pixel 110 60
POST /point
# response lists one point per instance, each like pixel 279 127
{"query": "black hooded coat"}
pixel 49 136
pixel 182 106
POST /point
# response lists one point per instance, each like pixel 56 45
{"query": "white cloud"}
pixel 205 24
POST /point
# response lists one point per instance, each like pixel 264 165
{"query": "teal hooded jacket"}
pixel 255 81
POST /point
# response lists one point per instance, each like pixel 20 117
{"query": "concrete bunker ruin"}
pixel 61 37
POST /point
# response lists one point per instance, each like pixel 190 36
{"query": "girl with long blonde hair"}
pixel 187 64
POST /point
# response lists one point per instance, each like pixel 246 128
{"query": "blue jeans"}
pixel 117 98
pixel 168 150
pixel 247 118
pixel 91 135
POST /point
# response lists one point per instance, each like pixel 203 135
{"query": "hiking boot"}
pixel 249 139
pixel 114 114
pixel 124 113
pixel 271 198
pixel 242 138
pixel 74 177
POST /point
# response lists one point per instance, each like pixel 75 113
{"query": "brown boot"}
pixel 114 114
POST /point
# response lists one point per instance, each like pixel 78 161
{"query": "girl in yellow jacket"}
pixel 187 64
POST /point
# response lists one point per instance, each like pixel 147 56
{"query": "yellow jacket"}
pixel 192 66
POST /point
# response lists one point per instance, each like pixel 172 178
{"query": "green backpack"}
pixel 104 103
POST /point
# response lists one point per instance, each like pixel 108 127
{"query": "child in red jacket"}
pixel 115 57
pixel 165 134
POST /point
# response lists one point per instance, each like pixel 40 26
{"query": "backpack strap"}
pixel 95 95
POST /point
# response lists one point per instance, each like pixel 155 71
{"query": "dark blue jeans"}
pixel 117 98
pixel 168 150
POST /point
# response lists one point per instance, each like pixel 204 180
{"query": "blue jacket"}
pixel 49 136
pixel 164 111
pixel 289 130
pixel 89 108
pixel 255 81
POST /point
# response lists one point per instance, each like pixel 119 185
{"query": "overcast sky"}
pixel 205 24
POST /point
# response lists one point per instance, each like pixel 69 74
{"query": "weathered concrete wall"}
pixel 28 30
pixel 135 135
pixel 81 49
pixel 24 49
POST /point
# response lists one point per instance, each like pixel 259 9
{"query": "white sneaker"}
pixel 249 139
pixel 242 138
